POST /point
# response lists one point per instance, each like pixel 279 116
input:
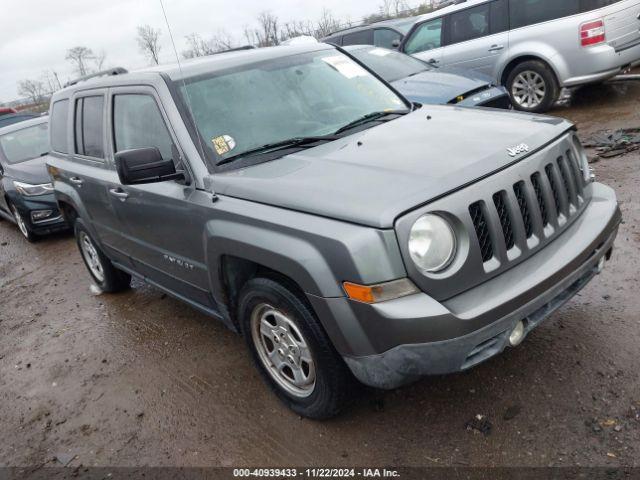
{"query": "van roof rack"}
pixel 104 73
pixel 237 49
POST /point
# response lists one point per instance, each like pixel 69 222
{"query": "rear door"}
pixel 89 173
pixel 476 38
pixel 164 221
pixel 425 41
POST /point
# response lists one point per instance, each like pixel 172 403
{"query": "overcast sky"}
pixel 35 34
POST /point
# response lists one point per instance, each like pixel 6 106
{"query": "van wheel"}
pixel 108 278
pixel 22 225
pixel 533 87
pixel 292 351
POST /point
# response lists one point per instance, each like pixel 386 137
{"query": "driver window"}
pixel 428 36
pixel 138 123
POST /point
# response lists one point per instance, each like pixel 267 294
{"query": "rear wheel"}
pixel 533 87
pixel 108 278
pixel 292 351
pixel 22 225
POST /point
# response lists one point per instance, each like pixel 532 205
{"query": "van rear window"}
pixel 588 5
pixel 530 12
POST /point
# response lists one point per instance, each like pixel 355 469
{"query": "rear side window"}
pixel 59 118
pixel 469 24
pixel 499 16
pixel 364 37
pixel 529 12
pixel 138 123
pixel 89 122
pixel 384 37
pixel 426 37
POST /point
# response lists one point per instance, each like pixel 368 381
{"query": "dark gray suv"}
pixel 344 232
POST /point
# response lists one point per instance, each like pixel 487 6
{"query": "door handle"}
pixel 119 194
pixel 433 61
pixel 496 48
pixel 77 181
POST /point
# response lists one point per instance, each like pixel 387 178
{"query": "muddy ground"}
pixel 140 379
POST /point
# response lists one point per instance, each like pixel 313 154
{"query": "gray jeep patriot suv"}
pixel 344 232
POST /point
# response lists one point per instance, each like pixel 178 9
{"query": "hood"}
pixel 31 171
pixel 441 86
pixel 374 176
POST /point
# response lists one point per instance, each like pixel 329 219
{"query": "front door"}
pixel 425 42
pixel 164 221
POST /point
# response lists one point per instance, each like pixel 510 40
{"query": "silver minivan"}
pixel 533 47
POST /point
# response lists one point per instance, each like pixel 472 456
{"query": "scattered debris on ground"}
pixel 479 424
pixel 609 144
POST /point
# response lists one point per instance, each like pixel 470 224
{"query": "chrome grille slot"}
pixel 500 201
pixel 550 171
pixel 519 190
pixel 577 174
pixel 542 205
pixel 568 180
pixel 481 226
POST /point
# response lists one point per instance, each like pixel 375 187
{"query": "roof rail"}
pixel 104 73
pixel 237 49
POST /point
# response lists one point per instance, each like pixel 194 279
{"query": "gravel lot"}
pixel 141 379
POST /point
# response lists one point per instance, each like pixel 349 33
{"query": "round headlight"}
pixel 432 243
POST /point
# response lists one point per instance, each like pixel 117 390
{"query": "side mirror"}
pixel 145 165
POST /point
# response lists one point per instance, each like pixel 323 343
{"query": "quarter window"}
pixel 385 38
pixel 59 130
pixel 426 37
pixel 469 24
pixel 365 37
pixel 89 122
pixel 138 123
pixel 529 12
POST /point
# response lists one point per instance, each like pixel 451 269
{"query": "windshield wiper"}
pixel 283 145
pixel 370 117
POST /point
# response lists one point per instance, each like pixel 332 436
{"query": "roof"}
pixel 14 127
pixel 395 23
pixel 195 67
pixel 449 9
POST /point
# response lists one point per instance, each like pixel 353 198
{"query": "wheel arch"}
pixel 513 63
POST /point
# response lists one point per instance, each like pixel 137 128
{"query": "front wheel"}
pixel 292 351
pixel 22 225
pixel 533 87
pixel 108 278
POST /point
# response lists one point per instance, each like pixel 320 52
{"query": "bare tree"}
pixel 100 60
pixel 51 82
pixel 327 24
pixel 297 28
pixel 34 90
pixel 268 32
pixel 197 47
pixel 79 57
pixel 222 40
pixel 149 43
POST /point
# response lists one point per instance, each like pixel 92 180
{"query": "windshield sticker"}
pixel 346 67
pixel 380 52
pixel 224 144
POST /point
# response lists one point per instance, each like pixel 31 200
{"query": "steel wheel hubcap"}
pixel 21 225
pixel 90 254
pixel 529 89
pixel 283 351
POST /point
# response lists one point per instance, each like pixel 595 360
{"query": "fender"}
pixel 540 50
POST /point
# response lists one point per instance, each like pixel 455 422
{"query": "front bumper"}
pixel 54 223
pixel 495 97
pixel 396 342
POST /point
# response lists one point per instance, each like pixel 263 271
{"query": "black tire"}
pixel 22 225
pixel 335 387
pixel 113 280
pixel 551 87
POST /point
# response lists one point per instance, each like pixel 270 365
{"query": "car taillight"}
pixel 592 33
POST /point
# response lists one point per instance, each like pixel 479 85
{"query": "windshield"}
pixel 389 64
pixel 306 95
pixel 26 144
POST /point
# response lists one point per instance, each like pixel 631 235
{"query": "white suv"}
pixel 533 47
